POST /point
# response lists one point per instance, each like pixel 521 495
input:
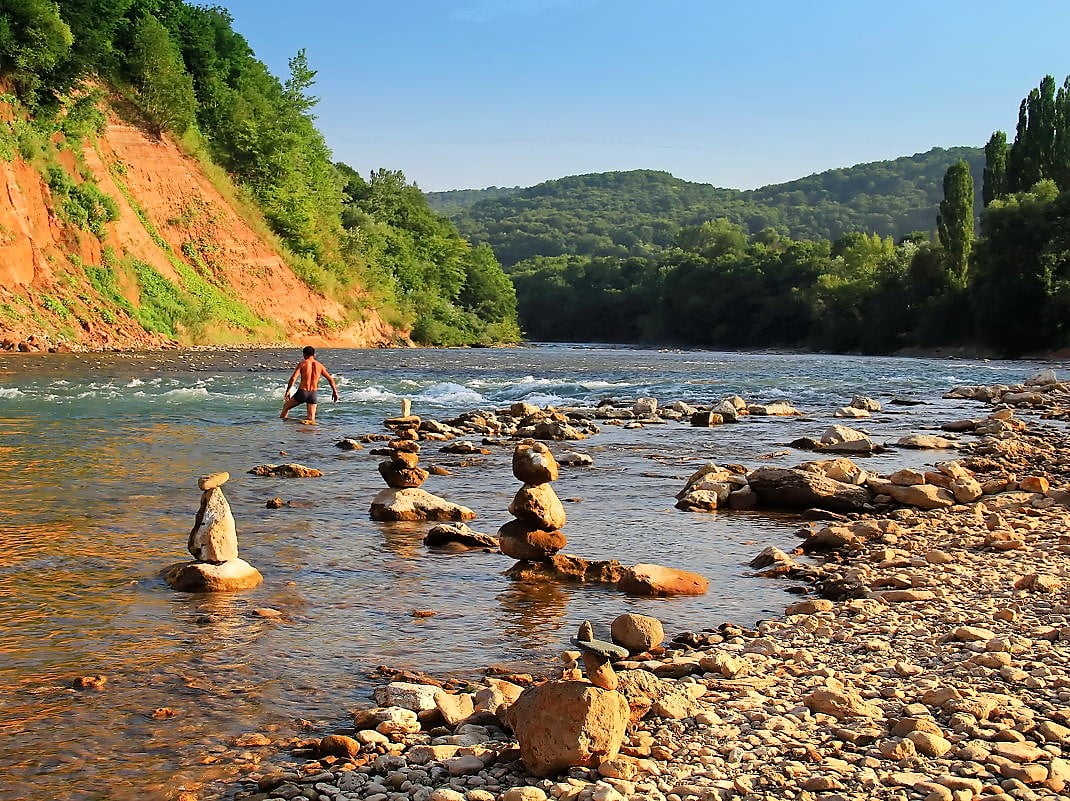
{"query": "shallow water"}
pixel 99 456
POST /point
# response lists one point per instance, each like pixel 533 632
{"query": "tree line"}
pixel 183 69
pixel 994 273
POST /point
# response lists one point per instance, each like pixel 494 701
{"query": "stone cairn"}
pixel 404 500
pixel 213 542
pixel 535 533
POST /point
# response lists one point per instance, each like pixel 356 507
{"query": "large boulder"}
pixel 533 463
pixel 788 488
pixel 564 724
pixel 213 538
pixel 520 541
pixel 538 504
pixel 656 580
pixel 416 504
pixel 230 576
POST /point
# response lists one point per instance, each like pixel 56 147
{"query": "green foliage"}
pixel 84 204
pixel 955 222
pixel 995 174
pixel 160 305
pixel 164 88
pixel 452 293
pixel 34 41
pixel 641 212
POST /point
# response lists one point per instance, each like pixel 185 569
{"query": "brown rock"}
pixel 539 504
pixel 562 566
pixel 600 671
pixel 290 470
pixel 840 704
pixel 656 580
pixel 533 463
pixel 339 745
pixel 519 541
pixel 567 724
pixel 404 459
pixel 402 477
pixel 637 633
pixel 455 708
pixel 1034 484
pixel 922 496
pixel 213 480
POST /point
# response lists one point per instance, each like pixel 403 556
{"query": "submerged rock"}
pixel 230 576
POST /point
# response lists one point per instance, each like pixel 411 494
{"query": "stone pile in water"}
pixel 404 500
pixel 213 542
pixel 535 532
pixel 534 537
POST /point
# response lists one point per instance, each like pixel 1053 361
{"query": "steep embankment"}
pixel 179 261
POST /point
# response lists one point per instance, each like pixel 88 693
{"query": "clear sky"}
pixel 738 93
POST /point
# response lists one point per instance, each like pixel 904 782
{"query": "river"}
pixel 99 456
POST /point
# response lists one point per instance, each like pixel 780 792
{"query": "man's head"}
pixel 309 351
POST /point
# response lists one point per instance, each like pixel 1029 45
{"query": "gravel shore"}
pixel 937 667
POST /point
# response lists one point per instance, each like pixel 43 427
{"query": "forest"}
pixel 181 69
pixel 948 249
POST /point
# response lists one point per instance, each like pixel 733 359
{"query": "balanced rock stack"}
pixel 535 533
pixel 213 542
pixel 404 500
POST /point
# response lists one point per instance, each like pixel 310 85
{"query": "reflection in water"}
pixel 98 463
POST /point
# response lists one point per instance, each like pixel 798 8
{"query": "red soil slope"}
pixel 47 299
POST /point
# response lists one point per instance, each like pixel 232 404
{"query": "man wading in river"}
pixel 310 371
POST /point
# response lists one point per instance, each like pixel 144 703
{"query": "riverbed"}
pixel 99 456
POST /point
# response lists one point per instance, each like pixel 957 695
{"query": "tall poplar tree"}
pixel 955 221
pixel 995 174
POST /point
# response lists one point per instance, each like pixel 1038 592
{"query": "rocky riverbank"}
pixel 937 667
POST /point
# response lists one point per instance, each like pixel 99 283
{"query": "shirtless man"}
pixel 310 371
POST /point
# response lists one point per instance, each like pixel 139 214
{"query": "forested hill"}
pixel 640 211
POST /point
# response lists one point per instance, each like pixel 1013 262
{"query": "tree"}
pixel 34 40
pixel 158 71
pixel 955 221
pixel 995 175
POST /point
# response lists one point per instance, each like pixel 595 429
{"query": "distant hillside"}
pixel 638 212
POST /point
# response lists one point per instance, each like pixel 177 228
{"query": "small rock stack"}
pixel 213 542
pixel 402 470
pixel 404 500
pixel 535 534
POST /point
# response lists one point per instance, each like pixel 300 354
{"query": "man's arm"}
pixel 330 380
pixel 293 377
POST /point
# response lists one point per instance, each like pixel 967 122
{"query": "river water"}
pixel 99 456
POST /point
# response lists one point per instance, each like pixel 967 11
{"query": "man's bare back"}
pixel 309 371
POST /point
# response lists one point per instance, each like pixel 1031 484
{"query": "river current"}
pixel 99 457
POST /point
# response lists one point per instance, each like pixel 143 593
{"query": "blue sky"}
pixel 737 93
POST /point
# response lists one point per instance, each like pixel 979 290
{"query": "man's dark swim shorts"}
pixel 305 396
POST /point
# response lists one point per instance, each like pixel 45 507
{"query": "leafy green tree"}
pixel 956 222
pixel 164 87
pixel 34 41
pixel 995 174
